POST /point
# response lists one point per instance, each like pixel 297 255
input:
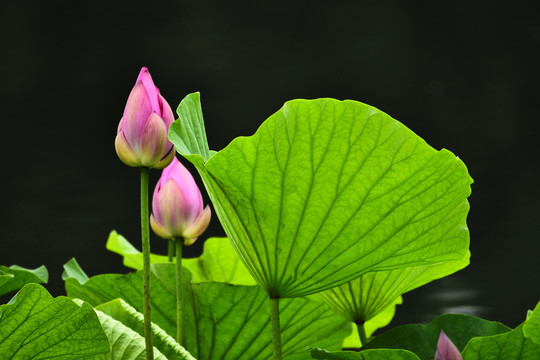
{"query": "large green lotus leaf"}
pixel 15 277
pixel 327 190
pixel 364 298
pixel 124 327
pixel 37 326
pixel 422 339
pixel 518 344
pixel 222 321
pixel 378 354
pixel 218 262
pixel 377 322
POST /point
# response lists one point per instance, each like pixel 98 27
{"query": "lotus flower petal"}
pixel 196 228
pixel 153 140
pixel 124 151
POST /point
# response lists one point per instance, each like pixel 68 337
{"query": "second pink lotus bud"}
pixel 446 350
pixel 177 206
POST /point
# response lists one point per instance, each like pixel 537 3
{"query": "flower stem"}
pixel 145 234
pixel 179 294
pixel 361 332
pixel 171 250
pixel 276 329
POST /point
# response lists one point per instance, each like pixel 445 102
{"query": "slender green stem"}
pixel 361 332
pixel 171 250
pixel 179 294
pixel 145 234
pixel 276 329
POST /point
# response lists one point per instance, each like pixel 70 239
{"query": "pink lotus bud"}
pixel 142 139
pixel 446 350
pixel 177 206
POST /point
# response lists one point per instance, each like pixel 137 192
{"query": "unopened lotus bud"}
pixel 142 139
pixel 177 206
pixel 446 350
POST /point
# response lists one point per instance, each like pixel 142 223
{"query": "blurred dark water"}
pixel 462 75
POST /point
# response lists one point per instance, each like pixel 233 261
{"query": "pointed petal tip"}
pixel 144 72
pixel 136 112
pixel 446 350
pixel 200 224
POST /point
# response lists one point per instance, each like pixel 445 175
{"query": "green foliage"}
pixel 371 299
pixel 230 322
pixel 327 195
pixel 518 344
pixel 15 277
pixel 218 261
pixel 73 270
pixel 512 345
pixel 36 326
pixel 189 137
pixel 132 257
pixel 378 354
pixel 422 339
pixel 327 190
pixel 479 339
pixel 377 322
pixel 124 327
pixel 369 295
pixel 531 328
pixel 124 342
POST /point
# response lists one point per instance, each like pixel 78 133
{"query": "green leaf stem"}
pixel 377 322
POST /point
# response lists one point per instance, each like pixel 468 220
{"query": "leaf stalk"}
pixel 145 235
pixel 361 332
pixel 179 294
pixel 276 328
pixel 170 252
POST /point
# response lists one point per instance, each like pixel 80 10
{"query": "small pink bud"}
pixel 177 206
pixel 142 139
pixel 446 350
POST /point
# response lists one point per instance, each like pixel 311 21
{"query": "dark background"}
pixel 463 75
